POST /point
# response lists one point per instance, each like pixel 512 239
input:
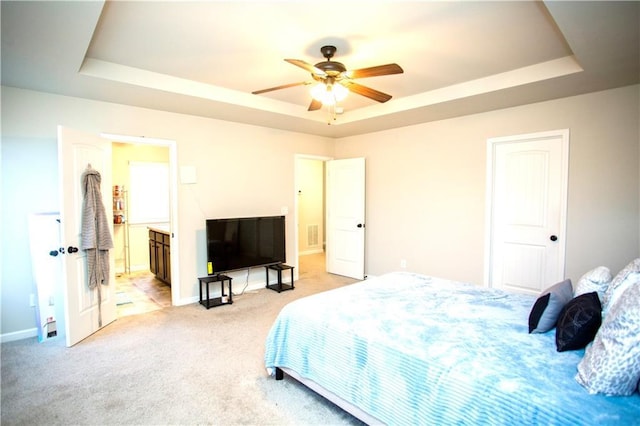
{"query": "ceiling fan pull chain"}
pixel 331 113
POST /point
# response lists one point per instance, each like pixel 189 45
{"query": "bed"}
pixel 406 348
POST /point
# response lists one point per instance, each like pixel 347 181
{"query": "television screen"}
pixel 239 243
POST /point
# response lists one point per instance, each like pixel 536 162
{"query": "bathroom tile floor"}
pixel 141 292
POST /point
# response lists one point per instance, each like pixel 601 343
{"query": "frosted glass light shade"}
pixel 329 94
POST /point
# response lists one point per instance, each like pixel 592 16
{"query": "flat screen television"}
pixel 240 243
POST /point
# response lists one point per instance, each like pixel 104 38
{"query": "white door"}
pixel 528 196
pixel 83 315
pixel 345 217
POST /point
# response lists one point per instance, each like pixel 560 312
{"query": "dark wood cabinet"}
pixel 167 262
pixel 153 265
pixel 160 255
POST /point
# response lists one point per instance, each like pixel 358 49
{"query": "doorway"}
pixel 342 196
pixel 310 214
pixel 136 170
pixel 88 309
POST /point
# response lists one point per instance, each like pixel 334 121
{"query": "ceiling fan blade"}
pixel 366 91
pixel 306 66
pixel 387 69
pixel 284 86
pixel 314 105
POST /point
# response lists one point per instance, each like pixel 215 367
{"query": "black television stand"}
pixel 279 286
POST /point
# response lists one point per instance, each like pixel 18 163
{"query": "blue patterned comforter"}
pixel 413 349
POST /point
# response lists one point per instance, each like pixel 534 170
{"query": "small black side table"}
pixel 279 286
pixel 210 302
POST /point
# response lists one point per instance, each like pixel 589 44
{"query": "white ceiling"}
pixel 205 58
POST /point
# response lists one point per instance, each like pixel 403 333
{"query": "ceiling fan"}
pixel 329 72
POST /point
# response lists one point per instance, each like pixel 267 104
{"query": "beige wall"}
pixel 241 170
pixel 426 185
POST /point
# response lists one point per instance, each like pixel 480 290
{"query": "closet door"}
pixel 527 209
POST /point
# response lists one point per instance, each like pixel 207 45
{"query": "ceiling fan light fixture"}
pixel 327 73
pixel 329 94
pixel 340 92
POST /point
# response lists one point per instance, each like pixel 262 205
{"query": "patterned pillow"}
pixel 545 311
pixel 611 365
pixel 628 276
pixel 578 322
pixel 597 279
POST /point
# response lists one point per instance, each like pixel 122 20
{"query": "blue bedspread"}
pixel 412 349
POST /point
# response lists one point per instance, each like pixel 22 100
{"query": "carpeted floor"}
pixel 180 365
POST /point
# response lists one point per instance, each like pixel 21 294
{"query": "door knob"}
pixel 72 249
pixel 553 238
pixel 53 253
pixel 360 225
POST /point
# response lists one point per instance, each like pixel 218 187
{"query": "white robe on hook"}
pixel 95 237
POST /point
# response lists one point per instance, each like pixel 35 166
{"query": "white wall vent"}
pixel 312 235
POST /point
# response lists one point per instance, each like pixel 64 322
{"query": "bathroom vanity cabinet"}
pixel 160 254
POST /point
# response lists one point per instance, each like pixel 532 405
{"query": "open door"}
pixel 83 315
pixel 345 217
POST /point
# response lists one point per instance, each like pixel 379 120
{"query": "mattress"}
pixel 412 349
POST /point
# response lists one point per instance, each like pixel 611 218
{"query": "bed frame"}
pixel 332 397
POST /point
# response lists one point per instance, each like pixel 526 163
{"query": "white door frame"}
pixel 562 232
pixel 296 219
pixel 173 201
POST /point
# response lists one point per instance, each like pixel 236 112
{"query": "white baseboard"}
pixel 141 267
pixel 253 286
pixel 312 251
pixel 134 268
pixel 237 289
pixel 19 335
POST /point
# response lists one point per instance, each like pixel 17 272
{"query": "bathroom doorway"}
pixel 140 177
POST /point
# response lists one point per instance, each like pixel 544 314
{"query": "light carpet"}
pixel 180 365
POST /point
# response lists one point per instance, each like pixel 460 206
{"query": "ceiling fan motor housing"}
pixel 330 67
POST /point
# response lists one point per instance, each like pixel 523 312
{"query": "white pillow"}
pixel 625 278
pixel 597 280
pixel 611 364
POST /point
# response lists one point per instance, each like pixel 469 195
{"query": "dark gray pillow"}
pixel 578 322
pixel 545 311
